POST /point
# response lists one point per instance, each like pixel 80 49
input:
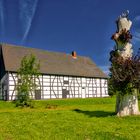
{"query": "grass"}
pixel 69 119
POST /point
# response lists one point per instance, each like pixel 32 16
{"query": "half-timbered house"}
pixel 62 75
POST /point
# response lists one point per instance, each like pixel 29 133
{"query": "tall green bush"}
pixel 27 75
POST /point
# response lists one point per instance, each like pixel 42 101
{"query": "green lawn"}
pixel 70 119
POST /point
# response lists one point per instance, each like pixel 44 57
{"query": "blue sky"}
pixel 66 25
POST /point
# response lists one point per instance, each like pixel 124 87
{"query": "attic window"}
pixel 66 82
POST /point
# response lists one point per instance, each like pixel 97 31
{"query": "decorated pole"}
pixel 125 69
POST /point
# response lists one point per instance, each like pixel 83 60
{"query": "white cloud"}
pixel 27 12
pixel 137 18
pixel 2 17
pixel 136 37
pixel 105 69
pixel 136 29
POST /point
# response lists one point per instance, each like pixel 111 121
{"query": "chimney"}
pixel 74 54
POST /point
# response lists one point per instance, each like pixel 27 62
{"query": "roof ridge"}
pixel 40 49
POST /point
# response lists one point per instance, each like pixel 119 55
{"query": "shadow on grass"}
pixel 95 113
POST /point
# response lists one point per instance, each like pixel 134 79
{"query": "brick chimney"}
pixel 74 54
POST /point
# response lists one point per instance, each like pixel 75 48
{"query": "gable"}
pixel 2 67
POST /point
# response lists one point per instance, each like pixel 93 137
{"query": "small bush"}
pixel 23 101
pixel 49 106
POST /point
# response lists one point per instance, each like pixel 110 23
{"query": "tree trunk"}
pixel 127 105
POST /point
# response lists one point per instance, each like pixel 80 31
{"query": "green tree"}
pixel 125 69
pixel 125 82
pixel 110 88
pixel 27 75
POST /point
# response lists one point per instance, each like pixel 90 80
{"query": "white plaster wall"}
pixel 77 87
pixel 4 86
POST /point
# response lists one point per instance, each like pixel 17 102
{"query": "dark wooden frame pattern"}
pixel 4 87
pixel 51 86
